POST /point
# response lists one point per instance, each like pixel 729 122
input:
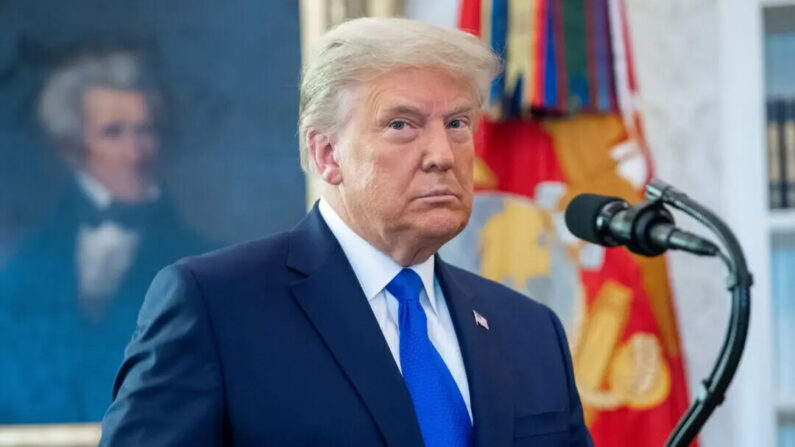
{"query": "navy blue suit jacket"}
pixel 273 342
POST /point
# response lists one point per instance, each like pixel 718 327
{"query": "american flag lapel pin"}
pixel 480 320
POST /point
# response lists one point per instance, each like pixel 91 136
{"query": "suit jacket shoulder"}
pixel 243 261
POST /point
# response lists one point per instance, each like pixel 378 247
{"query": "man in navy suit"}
pixel 349 330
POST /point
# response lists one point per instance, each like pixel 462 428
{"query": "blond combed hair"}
pixel 360 50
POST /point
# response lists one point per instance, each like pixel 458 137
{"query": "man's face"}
pixel 406 157
pixel 120 144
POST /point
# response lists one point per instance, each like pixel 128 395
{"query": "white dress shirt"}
pixel 103 253
pixel 375 270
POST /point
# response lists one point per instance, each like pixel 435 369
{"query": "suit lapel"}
pixel 333 300
pixel 487 368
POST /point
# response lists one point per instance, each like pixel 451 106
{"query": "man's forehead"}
pixel 409 106
pixel 422 90
pixel 392 102
pixel 104 95
pixel 104 103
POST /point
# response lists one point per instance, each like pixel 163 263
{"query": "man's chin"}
pixel 443 224
pixel 134 191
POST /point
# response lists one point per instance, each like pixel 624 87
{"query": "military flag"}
pixel 561 121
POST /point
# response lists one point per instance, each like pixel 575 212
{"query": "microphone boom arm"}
pixel 713 389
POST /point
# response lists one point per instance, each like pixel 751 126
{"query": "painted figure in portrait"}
pixel 71 292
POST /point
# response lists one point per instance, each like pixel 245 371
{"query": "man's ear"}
pixel 322 152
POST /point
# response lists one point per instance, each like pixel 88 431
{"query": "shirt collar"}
pixel 94 190
pixel 373 268
pixel 100 195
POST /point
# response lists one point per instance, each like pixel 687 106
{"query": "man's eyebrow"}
pixel 460 110
pixel 420 114
pixel 402 109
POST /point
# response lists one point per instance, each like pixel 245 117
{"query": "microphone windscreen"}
pixel 582 213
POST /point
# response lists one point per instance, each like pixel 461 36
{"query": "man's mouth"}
pixel 438 194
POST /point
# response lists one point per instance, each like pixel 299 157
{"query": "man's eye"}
pixel 112 130
pixel 456 124
pixel 397 125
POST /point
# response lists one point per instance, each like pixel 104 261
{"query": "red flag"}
pixel 617 307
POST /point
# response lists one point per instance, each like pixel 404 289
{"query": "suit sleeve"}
pixel 580 437
pixel 168 391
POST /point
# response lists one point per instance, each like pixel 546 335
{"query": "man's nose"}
pixel 439 154
pixel 139 146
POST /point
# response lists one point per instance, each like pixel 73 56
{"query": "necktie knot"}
pixel 128 215
pixel 406 286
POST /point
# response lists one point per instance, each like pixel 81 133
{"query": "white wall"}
pixel 700 69
pixel 676 50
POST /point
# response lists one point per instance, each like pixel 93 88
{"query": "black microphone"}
pixel 647 228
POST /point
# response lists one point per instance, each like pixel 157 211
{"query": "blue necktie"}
pixel 441 411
